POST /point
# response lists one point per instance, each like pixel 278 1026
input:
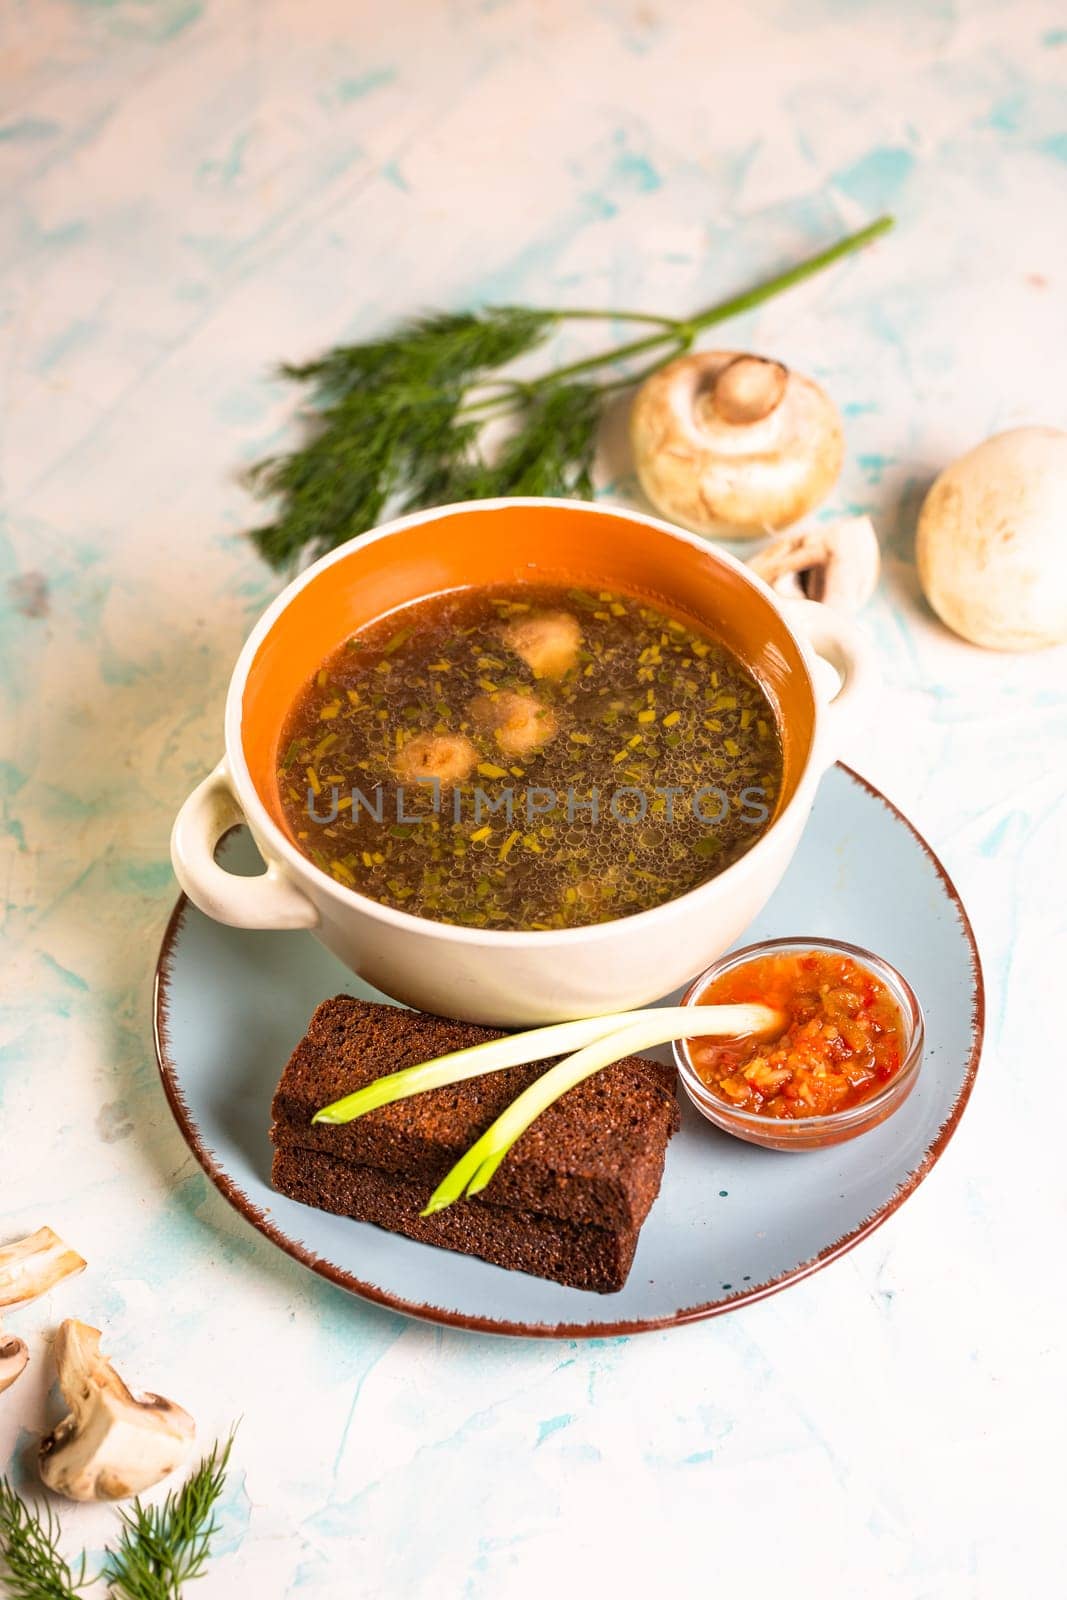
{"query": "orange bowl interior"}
pixel 515 544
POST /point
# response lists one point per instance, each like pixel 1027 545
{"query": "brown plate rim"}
pixel 619 1328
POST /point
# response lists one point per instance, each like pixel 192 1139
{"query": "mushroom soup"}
pixel 529 757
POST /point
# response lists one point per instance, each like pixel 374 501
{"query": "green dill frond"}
pixel 436 469
pixel 160 1548
pixel 550 452
pixel 440 349
pixel 165 1546
pixel 382 418
pixel 31 1567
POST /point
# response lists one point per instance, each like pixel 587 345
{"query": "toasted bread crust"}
pixel 571 1253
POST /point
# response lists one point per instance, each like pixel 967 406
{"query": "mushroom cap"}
pixel 548 642
pixel 992 541
pixel 444 758
pixel 13 1358
pixel 733 444
pixel 520 722
pixel 113 1444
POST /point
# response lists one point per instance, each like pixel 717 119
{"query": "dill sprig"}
pixel 163 1547
pixel 550 451
pixel 160 1548
pixel 397 422
pixel 385 414
pixel 31 1567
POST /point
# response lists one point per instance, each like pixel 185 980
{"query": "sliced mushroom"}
pixel 13 1358
pixel 112 1444
pixel 733 444
pixel 445 758
pixel 548 642
pixel 836 563
pixel 32 1266
pixel 28 1269
pixel 520 722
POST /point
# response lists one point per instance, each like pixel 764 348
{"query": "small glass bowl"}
pixel 807 1133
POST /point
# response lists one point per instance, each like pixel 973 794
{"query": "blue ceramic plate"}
pixel 732 1223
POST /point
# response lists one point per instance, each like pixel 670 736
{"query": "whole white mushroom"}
pixel 734 445
pixel 992 541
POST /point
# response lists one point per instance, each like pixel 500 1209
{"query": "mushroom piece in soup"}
pixel 520 723
pixel 548 641
pixel 529 757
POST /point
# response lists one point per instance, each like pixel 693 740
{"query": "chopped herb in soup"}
pixel 529 757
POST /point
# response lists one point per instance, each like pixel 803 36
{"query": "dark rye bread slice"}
pixel 572 1253
pixel 595 1156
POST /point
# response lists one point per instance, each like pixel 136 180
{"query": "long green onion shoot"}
pixel 537 1044
pixel 474 1170
pixel 594 1043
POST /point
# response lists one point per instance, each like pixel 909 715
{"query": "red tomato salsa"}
pixel 843 1042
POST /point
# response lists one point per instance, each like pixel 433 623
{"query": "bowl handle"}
pixel 837 640
pixel 268 900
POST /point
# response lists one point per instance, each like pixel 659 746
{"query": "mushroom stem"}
pixel 32 1266
pixel 112 1444
pixel 748 389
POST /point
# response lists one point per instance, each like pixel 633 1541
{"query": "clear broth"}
pixel 529 757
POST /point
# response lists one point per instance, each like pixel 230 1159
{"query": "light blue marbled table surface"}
pixel 191 189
